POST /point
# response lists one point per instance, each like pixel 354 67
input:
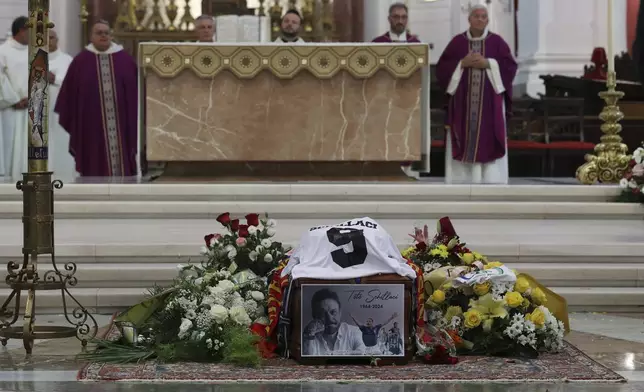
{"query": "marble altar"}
pixel 301 104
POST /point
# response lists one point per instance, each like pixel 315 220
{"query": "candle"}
pixel 609 47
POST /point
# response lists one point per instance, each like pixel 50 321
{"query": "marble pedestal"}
pixel 271 111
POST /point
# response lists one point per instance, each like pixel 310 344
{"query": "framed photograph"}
pixel 353 320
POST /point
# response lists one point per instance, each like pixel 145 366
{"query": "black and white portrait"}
pixel 352 320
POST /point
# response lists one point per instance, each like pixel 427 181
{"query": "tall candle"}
pixel 610 53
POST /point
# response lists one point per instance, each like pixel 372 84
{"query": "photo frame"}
pixel 353 320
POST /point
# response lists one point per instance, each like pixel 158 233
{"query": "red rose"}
pixel 243 231
pixel 234 225
pixel 208 238
pixel 252 219
pixel 224 218
pixel 421 246
pixel 632 163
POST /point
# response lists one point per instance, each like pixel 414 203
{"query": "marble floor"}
pixel 617 341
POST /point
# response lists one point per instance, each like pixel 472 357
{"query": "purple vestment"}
pixel 97 105
pixel 385 38
pixel 475 113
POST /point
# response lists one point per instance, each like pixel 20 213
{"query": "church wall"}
pixel 9 10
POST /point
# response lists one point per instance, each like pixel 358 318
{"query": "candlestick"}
pixel 610 52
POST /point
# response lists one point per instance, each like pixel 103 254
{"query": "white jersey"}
pixel 352 249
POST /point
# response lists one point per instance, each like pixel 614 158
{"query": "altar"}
pixel 259 112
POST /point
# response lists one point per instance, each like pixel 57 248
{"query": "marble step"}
pixel 142 275
pixel 319 191
pixel 108 300
pixel 339 210
pixel 175 241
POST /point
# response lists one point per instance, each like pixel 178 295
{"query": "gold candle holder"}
pixel 38 214
pixel 610 159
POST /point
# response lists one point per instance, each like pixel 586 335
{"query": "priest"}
pixel 398 18
pixel 476 70
pixel 61 161
pixel 97 105
pixel 205 28
pixel 290 28
pixel 14 89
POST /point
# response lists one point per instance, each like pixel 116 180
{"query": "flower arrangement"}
pixel 212 308
pixel 483 306
pixel 633 182
pixel 247 246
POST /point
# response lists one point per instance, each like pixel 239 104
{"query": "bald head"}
pixel 53 41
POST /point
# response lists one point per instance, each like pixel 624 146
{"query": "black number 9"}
pixel 341 237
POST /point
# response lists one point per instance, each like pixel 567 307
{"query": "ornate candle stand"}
pixel 38 215
pixel 611 158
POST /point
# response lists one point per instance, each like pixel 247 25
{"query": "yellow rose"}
pixel 493 264
pixel 522 285
pixel 538 297
pixel 467 258
pixel 479 256
pixel 473 319
pixel 408 252
pixel 513 299
pixel 438 297
pixel 481 289
pixel 537 317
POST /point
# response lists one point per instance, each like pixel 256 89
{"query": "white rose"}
pixel 259 249
pixel 271 223
pixel 184 328
pixel 638 155
pixel 238 315
pixel 252 230
pixel 252 255
pixel 632 184
pixel 268 258
pixel 257 295
pixel 213 242
pixel 204 250
pixel 229 248
pixel 623 183
pixel 260 227
pixel 198 281
pixel 219 313
pixel 232 254
pixel 270 232
pixel 226 285
pixel 266 243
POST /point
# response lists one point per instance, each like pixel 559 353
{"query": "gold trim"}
pixel 246 61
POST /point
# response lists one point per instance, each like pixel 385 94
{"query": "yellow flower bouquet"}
pixel 483 304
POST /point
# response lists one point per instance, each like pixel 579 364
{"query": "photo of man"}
pixel 332 314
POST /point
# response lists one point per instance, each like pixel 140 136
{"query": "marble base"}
pixel 304 119
pixel 283 171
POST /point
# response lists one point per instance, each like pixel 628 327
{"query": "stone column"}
pixel 375 18
pixel 65 16
pixel 558 37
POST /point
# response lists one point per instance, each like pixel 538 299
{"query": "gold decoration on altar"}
pixel 168 60
pixel 611 157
